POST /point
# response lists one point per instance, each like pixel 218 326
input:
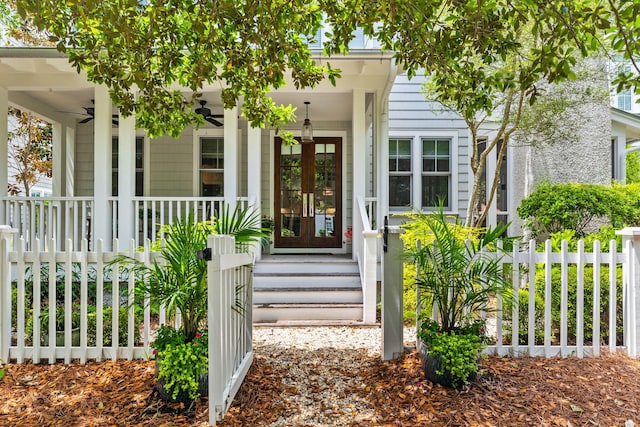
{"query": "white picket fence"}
pixel 548 321
pixel 559 330
pixel 97 316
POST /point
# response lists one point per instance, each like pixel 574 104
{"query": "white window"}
pixel 436 172
pixel 211 166
pixel 400 173
pixel 139 191
pixel 624 100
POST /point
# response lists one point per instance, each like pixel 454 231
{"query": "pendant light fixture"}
pixel 307 129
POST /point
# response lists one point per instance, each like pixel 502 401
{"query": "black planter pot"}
pixel 432 364
pixel 182 397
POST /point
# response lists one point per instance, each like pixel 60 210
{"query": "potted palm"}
pixel 458 275
pixel 177 281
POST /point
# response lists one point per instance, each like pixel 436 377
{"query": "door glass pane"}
pixel 291 190
pixel 324 203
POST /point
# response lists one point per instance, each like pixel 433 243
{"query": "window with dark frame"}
pixel 212 166
pixel 436 172
pixel 400 173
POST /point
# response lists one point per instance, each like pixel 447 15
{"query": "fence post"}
pixel 5 292
pixel 392 307
pixel 631 283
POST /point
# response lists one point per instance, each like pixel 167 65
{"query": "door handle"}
pixel 304 205
pixel 312 208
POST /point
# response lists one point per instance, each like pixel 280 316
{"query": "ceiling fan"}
pixel 90 111
pixel 206 113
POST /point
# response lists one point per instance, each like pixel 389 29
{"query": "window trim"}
pixel 197 156
pixel 409 173
pixel 417 135
pixel 449 173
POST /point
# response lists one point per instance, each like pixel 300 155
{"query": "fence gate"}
pixel 230 322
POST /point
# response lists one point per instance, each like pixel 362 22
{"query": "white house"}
pixel 378 147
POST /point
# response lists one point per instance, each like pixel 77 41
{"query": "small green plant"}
pixel 181 363
pixel 457 350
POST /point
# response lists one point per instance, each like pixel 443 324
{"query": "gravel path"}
pixel 322 363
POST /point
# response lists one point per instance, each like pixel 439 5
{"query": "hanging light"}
pixel 307 129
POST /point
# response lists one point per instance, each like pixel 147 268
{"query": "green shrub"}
pixel 523 317
pixel 553 208
pixel 605 234
pixel 123 316
pixel 572 280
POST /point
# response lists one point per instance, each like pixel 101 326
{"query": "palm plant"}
pixel 459 268
pixel 458 274
pixel 178 279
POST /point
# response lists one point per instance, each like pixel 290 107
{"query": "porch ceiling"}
pixel 42 81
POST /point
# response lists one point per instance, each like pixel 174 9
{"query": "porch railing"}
pixel 365 248
pixel 69 219
pixel 49 219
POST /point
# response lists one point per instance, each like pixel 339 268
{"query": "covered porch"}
pixel 111 181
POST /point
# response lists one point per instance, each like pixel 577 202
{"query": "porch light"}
pixel 307 129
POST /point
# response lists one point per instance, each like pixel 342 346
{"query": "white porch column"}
pixel 231 157
pixel 126 176
pixel 58 138
pixel 70 162
pixel 359 135
pixel 101 214
pixel 4 149
pixel 254 170
pixel 382 157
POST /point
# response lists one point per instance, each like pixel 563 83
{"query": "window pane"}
pixel 443 148
pixel 443 165
pixel 404 164
pixel 404 147
pixel 428 165
pixel 212 150
pixel 435 190
pixel 139 183
pixel 399 191
pixel 428 147
pixel 212 183
pixel 139 152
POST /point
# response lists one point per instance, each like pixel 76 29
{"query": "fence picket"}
pixel 515 309
pixel 612 296
pixel 84 265
pixel 580 301
pixel 100 272
pixel 547 299
pixel 564 298
pixel 595 340
pixel 532 298
pixel 37 296
pixel 20 302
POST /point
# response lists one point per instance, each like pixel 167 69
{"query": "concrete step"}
pixel 274 313
pixel 309 295
pixel 304 280
pixel 307 288
pixel 288 264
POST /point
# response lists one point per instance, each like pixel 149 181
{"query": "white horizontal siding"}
pixel 411 113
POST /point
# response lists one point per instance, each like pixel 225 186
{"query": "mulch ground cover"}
pixel 524 391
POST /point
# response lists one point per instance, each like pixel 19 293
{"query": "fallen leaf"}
pixel 576 408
